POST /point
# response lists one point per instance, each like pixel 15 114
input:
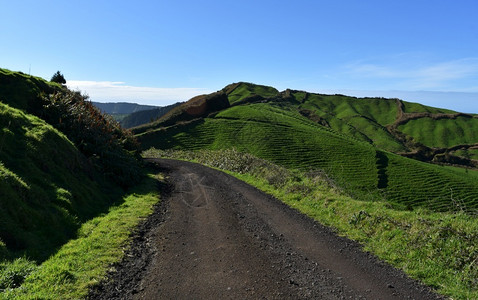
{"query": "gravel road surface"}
pixel 216 237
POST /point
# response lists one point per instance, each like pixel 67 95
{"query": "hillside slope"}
pixel 61 162
pixel 351 139
pixel 47 186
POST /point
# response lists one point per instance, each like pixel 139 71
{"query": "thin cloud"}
pixel 114 91
pixel 456 75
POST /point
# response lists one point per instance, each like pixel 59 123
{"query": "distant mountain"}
pixel 146 116
pixel 131 114
pixel 113 108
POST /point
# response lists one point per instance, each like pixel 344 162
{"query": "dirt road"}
pixel 215 237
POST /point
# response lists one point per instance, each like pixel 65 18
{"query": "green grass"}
pixel 380 110
pixel 363 118
pixel 23 91
pixel 417 184
pixel 48 187
pixel 84 260
pixel 443 133
pixel 119 117
pixel 469 153
pixel 411 107
pixel 244 90
pixel 439 249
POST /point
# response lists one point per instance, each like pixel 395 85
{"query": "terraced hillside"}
pixel 351 139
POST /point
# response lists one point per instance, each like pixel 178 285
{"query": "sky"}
pixel 160 52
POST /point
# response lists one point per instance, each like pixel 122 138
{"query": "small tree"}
pixel 58 77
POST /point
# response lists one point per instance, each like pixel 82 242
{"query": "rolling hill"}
pixel 365 144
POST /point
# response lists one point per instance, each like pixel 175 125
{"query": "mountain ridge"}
pixel 122 107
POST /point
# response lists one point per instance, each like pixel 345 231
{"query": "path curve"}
pixel 216 237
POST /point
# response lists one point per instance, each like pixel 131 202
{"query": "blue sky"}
pixel 159 52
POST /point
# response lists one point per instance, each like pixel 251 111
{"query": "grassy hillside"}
pixel 24 91
pixel 241 91
pixel 351 139
pixel 62 163
pixel 365 118
pixel 443 133
pixel 47 187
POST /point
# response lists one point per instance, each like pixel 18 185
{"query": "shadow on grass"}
pixel 52 225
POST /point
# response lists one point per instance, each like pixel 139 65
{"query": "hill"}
pixel 61 162
pixel 48 187
pixel 365 144
pixel 145 116
pixel 114 108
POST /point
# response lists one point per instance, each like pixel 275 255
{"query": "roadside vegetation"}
pixel 437 248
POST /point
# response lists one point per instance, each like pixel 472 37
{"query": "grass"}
pixel 85 260
pixel 379 110
pixel 442 133
pixel 363 118
pixel 432 186
pixel 23 91
pixel 469 153
pixel 440 249
pixel 244 90
pixel 411 107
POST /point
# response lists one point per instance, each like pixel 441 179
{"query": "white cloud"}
pixel 455 75
pixel 112 91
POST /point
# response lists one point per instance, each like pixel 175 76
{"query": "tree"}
pixel 58 77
